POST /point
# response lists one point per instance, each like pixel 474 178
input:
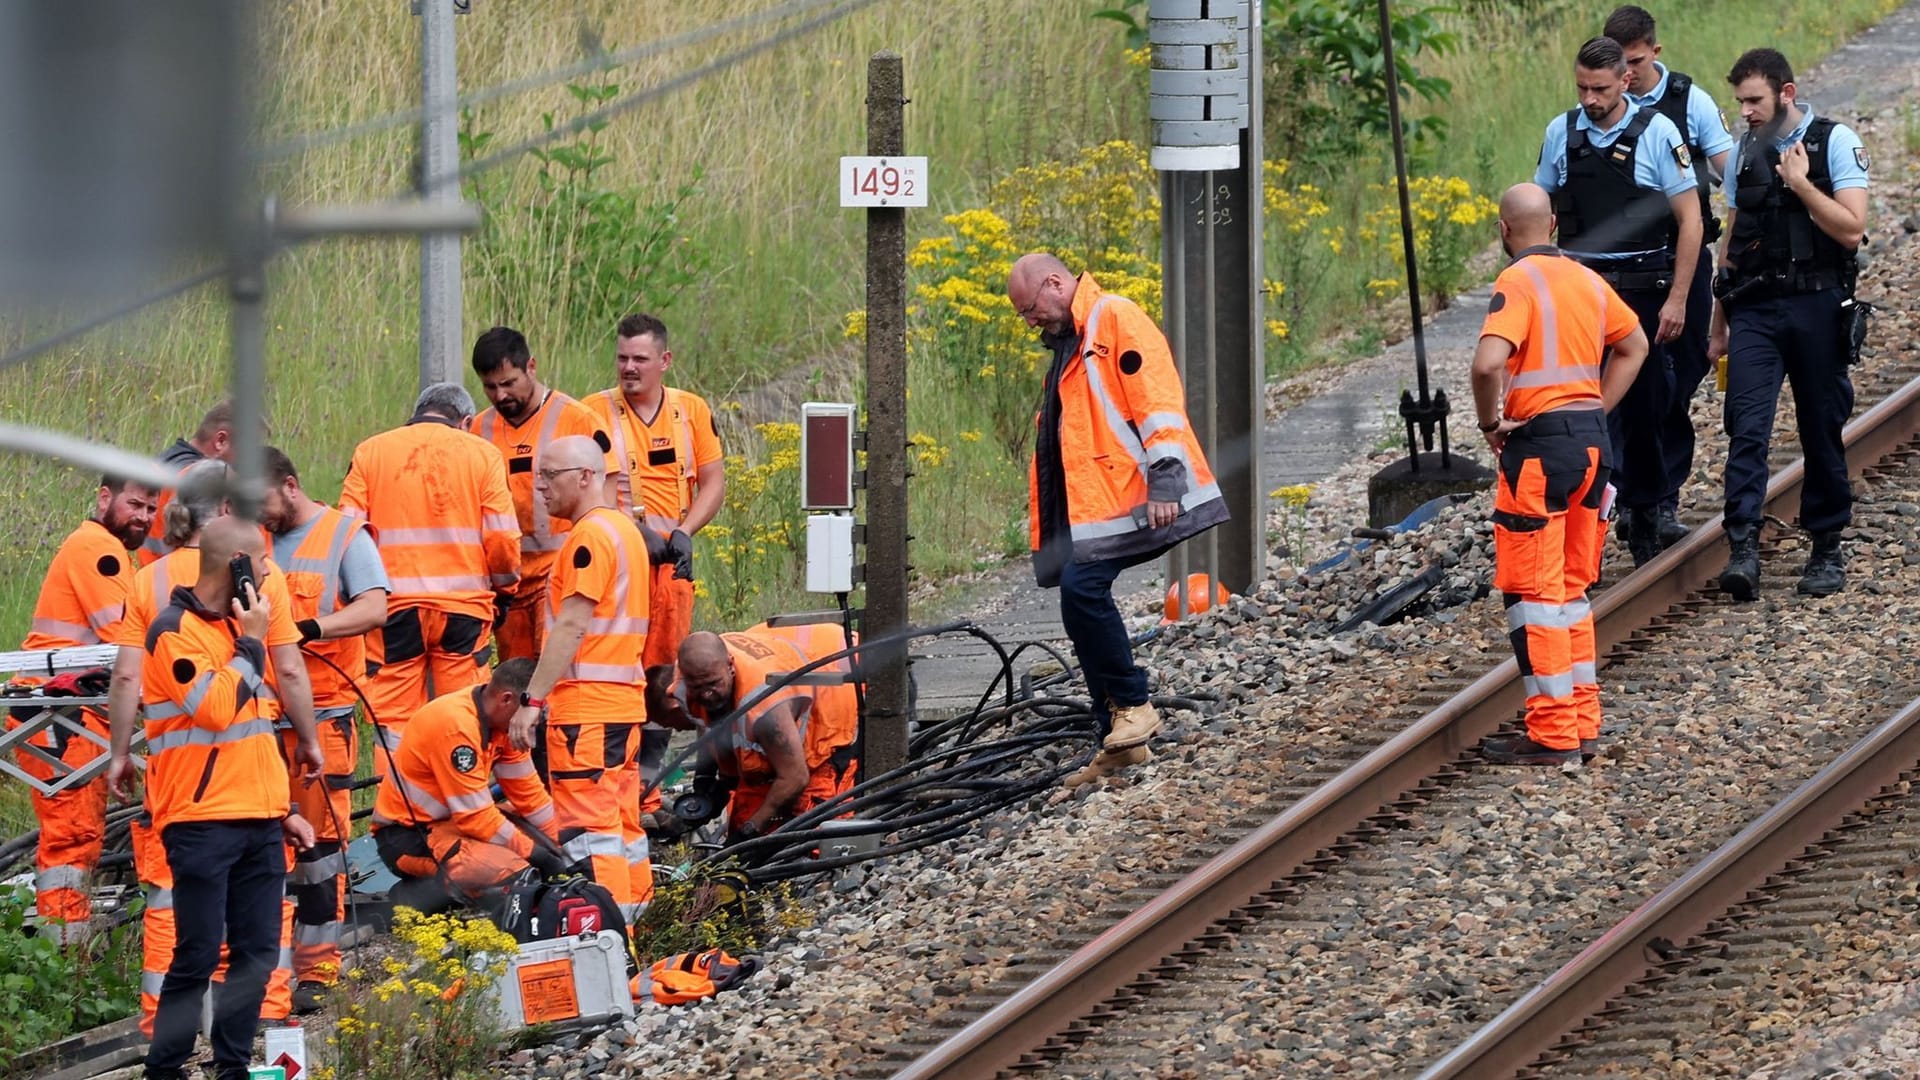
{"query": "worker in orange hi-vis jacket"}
pixel 525 419
pixel 212 440
pixel 590 678
pixel 81 601
pixel 437 499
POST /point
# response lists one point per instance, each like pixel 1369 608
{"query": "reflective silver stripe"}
pixel 1162 421
pixel 162 587
pixel 102 617
pixel 451 584
pixel 589 844
pixel 438 534
pixel 1554 686
pixel 327 567
pixel 1116 420
pixel 60 877
pixel 1546 616
pixel 73 632
pixel 542 538
pixel 389 736
pixel 355 512
pixel 616 420
pixel 197 693
pixel 150 982
pixel 286 959
pixel 633 912
pixel 502 581
pixel 1557 376
pixel 608 673
pixel 1549 316
pixel 542 817
pixel 617 624
pixel 159 899
pixel 500 523
pixel 637 850
pixel 623 579
pixel 422 804
pixel 503 834
pixel 509 770
pixel 318 871
pixel 1585 673
pixel 199 736
pixel 470 801
pixel 337 712
pixel 307 935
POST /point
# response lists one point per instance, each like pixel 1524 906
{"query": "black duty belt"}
pixel 1788 284
pixel 1637 280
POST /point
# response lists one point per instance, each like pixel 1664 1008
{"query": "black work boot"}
pixel 1643 535
pixel 1741 578
pixel 1666 525
pixel 1521 750
pixel 1826 571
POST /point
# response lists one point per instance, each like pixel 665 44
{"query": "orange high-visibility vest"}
pixel 313 580
pixel 605 559
pixel 437 499
pixel 443 770
pixel 153 590
pixel 85 590
pixel 212 754
pixel 1559 317
pixel 523 445
pixel 833 721
pixel 1122 410
pixel 670 483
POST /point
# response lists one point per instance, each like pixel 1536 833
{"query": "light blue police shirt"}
pixel 1705 121
pixel 1656 161
pixel 1846 157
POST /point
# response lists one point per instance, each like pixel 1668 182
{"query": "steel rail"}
pixel 1296 840
pixel 1580 989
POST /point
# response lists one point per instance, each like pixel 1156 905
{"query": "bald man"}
pixel 1118 478
pixel 590 678
pixel 1558 350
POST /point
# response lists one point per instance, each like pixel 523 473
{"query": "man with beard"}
pixel 1797 188
pixel 525 419
pixel 83 597
pixel 1629 210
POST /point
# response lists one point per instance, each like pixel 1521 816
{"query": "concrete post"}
pixel 440 344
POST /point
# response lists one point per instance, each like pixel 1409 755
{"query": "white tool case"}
pixel 566 979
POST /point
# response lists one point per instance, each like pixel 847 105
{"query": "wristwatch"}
pixel 527 701
pixel 1491 426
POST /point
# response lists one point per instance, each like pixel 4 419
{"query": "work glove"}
pixel 680 550
pixel 502 603
pixel 551 862
pixel 90 683
pixel 741 833
pixel 659 551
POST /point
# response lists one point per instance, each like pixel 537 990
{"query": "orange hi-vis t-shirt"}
pixel 658 459
pixel 523 445
pixel 1560 317
pixel 85 590
pixel 604 560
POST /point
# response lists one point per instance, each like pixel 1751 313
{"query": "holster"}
pixel 1854 315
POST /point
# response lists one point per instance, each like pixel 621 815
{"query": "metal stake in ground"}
pixel 885 732
pixel 439 183
pixel 1400 488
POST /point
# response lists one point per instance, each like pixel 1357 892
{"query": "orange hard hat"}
pixel 1197 598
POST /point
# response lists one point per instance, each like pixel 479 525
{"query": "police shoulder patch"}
pixel 1723 122
pixel 464 758
pixel 1860 157
pixel 1681 157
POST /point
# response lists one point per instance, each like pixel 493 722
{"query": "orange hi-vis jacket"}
pixel 445 768
pixel 657 462
pixel 523 445
pixel 85 591
pixel 604 560
pixel 153 590
pixel 1559 317
pixel 438 502
pixel 313 581
pixel 212 754
pixel 1124 436
pixel 832 722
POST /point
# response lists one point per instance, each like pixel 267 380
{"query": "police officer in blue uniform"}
pixel 1629 208
pixel 1677 97
pixel 1797 186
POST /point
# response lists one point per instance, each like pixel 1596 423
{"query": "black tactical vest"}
pixel 1601 209
pixel 1773 235
pixel 1673 106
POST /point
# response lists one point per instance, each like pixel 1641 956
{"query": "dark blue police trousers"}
pixel 1637 424
pixel 1796 337
pixel 1691 363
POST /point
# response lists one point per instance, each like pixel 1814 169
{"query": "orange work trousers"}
pixel 669 617
pixel 466 868
pixel 1548 534
pixel 524 633
pixel 158 933
pixel 317 877
pixel 72 825
pixel 415 644
pixel 593 771
pixel 829 778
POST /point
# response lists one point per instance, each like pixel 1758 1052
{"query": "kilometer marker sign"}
pixel 883 181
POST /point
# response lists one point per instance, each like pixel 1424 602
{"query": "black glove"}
pixel 659 553
pixel 680 549
pixel 502 603
pixel 741 833
pixel 551 862
pixel 309 630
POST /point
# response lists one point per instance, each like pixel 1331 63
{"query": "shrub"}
pixel 48 993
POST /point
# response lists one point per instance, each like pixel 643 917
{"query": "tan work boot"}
pixel 1133 725
pixel 1105 764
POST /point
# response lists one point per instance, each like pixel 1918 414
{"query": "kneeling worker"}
pixel 435 816
pixel 789 749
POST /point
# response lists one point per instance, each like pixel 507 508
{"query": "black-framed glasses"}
pixel 549 474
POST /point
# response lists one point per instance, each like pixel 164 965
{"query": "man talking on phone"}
pixel 219 795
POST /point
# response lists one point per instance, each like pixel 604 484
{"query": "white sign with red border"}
pixel 883 181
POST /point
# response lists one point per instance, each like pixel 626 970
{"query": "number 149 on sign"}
pixel 883 181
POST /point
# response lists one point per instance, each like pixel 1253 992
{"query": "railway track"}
pixel 1057 1020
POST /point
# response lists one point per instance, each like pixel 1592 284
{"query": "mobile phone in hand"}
pixel 242 570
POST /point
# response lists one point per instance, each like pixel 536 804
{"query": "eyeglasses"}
pixel 1038 291
pixel 549 474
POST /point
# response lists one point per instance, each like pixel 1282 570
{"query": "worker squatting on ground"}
pixel 1117 478
pixel 218 791
pixel 1786 310
pixel 1542 392
pixel 435 819
pixel 786 750
pixel 200 498
pixel 438 502
pixel 1629 209
pixel 525 419
pixel 80 602
pixel 1691 110
pixel 338 588
pixel 590 680
pixel 213 439
pixel 670 476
